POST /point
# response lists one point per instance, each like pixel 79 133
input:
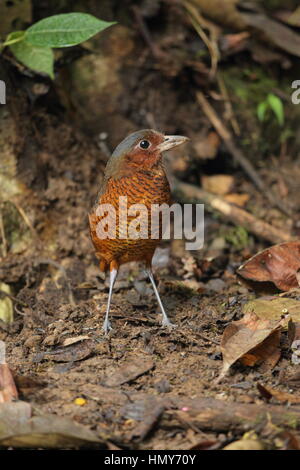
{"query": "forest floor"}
pixel 140 371
pixel 142 386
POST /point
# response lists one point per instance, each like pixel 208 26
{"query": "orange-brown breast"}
pixel 142 187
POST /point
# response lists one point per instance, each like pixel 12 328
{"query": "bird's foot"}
pixel 106 327
pixel 168 324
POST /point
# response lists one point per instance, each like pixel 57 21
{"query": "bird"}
pixel 134 173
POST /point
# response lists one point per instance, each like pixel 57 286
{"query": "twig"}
pixel 211 42
pixel 235 214
pixel 26 219
pixel 3 237
pixel 228 105
pixel 208 414
pixel 156 51
pixel 238 155
pixel 15 299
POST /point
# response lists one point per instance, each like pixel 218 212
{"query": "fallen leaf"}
pixel 8 390
pixel 72 353
pixel 245 444
pixel 278 264
pixel 129 371
pixel 6 305
pixel 76 339
pixel 237 199
pixel 218 184
pixel 273 308
pixel 234 42
pixel 294 19
pixel 267 354
pixel 207 147
pixel 245 339
pixel 289 441
pixel 18 428
pixel 269 392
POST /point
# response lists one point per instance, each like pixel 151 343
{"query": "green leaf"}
pixel 261 110
pixel 40 59
pixel 14 37
pixel 67 29
pixel 276 105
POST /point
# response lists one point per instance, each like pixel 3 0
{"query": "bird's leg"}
pixel 113 275
pixel 165 319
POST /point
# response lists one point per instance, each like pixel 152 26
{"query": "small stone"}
pixel 216 285
pixel 163 386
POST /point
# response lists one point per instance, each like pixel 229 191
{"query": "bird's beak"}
pixel 171 141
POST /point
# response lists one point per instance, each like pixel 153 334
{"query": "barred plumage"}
pixel 135 171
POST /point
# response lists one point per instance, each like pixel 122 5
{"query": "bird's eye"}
pixel 144 144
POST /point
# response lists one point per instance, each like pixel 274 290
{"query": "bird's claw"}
pixel 106 327
pixel 168 324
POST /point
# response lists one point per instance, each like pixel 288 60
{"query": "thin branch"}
pixel 233 213
pixel 3 237
pixel 15 299
pixel 199 23
pixel 238 155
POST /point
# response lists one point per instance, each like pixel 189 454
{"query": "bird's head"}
pixel 141 150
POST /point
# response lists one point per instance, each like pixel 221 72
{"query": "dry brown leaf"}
pixel 273 308
pixel 207 147
pixel 18 428
pixel 71 353
pixel 235 42
pixel 278 264
pixel 76 339
pixel 237 199
pixel 267 354
pixel 294 18
pixel 245 338
pixel 218 184
pixel 8 390
pixel 289 440
pixel 245 444
pixel 269 392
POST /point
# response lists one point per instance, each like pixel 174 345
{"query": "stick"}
pixel 235 214
pixel 155 49
pixel 3 237
pixel 12 297
pixel 211 42
pixel 209 414
pixel 238 155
